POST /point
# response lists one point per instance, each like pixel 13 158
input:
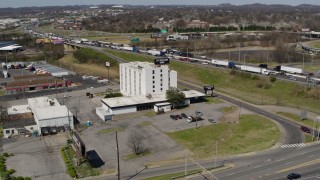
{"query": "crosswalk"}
pixel 293 145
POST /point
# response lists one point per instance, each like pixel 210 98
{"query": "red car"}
pixel 305 129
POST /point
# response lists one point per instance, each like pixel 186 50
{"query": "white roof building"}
pixel 49 113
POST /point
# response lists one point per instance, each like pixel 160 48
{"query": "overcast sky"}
pixel 28 3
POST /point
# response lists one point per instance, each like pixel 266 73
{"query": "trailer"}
pixel 155 52
pixel 291 70
pixel 254 69
pixel 220 63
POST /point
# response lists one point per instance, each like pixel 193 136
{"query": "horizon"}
pixel 41 3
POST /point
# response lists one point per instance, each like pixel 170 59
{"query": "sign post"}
pixel 108 65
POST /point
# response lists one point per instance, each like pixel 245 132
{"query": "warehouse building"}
pixel 33 82
pixel 50 115
pixel 41 115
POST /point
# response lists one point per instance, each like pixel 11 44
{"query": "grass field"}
pixel 69 62
pixel 314 44
pixel 294 117
pixel 213 100
pixel 253 133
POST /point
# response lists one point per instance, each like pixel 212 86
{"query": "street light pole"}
pixel 239 52
pixel 215 161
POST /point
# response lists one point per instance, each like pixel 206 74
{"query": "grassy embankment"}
pixel 253 133
pixel 241 86
pixel 91 66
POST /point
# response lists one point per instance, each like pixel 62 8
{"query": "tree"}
pixel 135 143
pixel 175 96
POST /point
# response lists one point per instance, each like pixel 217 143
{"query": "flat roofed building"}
pixel 33 82
pixel 130 104
pixel 49 113
pixel 143 78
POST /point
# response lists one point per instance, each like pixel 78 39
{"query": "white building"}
pixel 20 121
pixel 48 113
pixel 143 78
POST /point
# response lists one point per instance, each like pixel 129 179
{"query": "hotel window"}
pixel 160 70
pixel 161 89
pixel 152 71
pixel 152 77
pixel 153 82
pixel 154 91
pixel 153 86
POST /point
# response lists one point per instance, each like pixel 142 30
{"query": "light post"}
pixel 244 59
pixel 108 66
pixel 239 52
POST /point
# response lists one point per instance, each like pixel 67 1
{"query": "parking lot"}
pixel 38 158
pixel 101 136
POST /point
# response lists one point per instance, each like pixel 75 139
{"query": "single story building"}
pixel 24 124
pixel 129 104
pixel 50 115
pixel 33 82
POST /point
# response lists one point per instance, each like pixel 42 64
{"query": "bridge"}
pixel 72 47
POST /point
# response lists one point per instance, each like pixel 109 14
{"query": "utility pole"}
pixel 239 52
pixel 118 155
pixel 215 160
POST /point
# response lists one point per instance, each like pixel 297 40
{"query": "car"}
pixel 190 119
pixel 173 117
pixel 294 176
pixel 305 129
pixel 178 116
pixel 212 120
pixel 184 115
pixel 199 113
pixel 292 78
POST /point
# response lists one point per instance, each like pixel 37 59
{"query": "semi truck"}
pixel 291 70
pixel 229 64
pixel 254 69
pixel 155 52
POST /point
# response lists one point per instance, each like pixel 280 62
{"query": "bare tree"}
pixel 136 144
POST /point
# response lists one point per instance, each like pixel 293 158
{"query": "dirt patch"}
pixel 231 116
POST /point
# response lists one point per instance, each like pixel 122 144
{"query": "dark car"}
pixel 178 116
pixel 212 120
pixel 294 176
pixel 305 129
pixel 173 117
pixel 184 115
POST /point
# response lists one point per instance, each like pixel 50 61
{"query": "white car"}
pixel 205 63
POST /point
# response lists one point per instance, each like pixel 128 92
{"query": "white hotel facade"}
pixel 143 78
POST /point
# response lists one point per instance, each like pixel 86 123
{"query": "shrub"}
pixel 272 78
pixel 255 77
pixel 71 172
pixel 259 84
pixel 20 178
pixel 6 154
pixel 27 178
pixel 232 72
pixel 11 171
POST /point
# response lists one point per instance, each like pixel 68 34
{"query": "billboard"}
pixel 161 61
pixel 108 64
pixel 81 148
